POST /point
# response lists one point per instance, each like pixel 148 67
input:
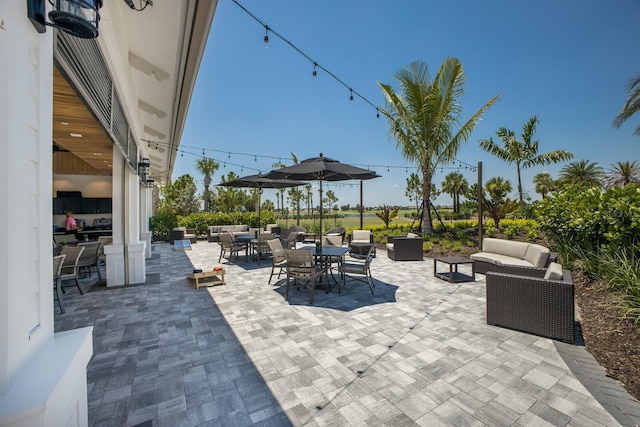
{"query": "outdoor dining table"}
pixel 325 255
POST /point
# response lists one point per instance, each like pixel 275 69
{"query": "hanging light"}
pixel 266 36
pixel 314 73
pixel 143 166
pixel 377 113
pixel 76 17
pixel 350 95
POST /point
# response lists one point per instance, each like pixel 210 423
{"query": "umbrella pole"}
pixel 321 212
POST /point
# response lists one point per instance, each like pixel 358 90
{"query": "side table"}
pixel 208 278
pixel 453 275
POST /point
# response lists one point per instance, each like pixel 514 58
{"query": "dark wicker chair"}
pixel 401 248
pixel 520 298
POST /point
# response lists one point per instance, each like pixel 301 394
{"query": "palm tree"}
pixel 308 189
pixel 582 173
pixel 207 167
pixel 523 153
pixel 455 184
pixel 622 174
pixel 544 184
pixel 423 117
pixel 632 106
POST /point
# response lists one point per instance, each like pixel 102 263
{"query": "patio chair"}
pixel 104 241
pixel 535 300
pixel 57 282
pixel 358 240
pixel 228 245
pixel 70 265
pixel 89 257
pixel 278 257
pixel 359 266
pixel 289 239
pixel 302 266
pixel 337 231
pixel 65 239
pixel 262 244
pixel 333 240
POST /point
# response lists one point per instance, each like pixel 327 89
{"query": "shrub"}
pixel 161 224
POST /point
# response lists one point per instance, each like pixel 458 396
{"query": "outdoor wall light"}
pixel 77 17
pixel 150 183
pixel 143 166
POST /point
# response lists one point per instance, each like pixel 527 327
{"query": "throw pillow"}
pixel 554 271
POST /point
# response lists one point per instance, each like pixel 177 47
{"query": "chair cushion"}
pixel 554 271
pixel 361 236
pixel 492 258
pixel 537 255
pixel 412 235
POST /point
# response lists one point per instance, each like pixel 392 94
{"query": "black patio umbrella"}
pixel 260 181
pixel 322 169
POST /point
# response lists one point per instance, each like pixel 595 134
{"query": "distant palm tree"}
pixel 544 184
pixel 207 167
pixel 622 174
pixel 582 173
pixel 308 189
pixel 455 185
pixel 425 119
pixel 523 153
pixel 631 106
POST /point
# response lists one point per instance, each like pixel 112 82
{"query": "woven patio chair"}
pixel 302 267
pixel 278 257
pixel 228 245
pixel 57 282
pixel 89 257
pixel 70 265
pixel 358 266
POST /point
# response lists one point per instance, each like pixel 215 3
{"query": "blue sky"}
pixel 567 62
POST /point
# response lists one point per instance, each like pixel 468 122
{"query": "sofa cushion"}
pixel 504 247
pixel 389 246
pixel 499 259
pixel 412 235
pixel 554 271
pixel 537 255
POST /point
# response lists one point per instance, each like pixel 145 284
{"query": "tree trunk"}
pixel 426 209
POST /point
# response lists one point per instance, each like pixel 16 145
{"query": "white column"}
pixel 115 259
pixel 42 374
pixel 134 246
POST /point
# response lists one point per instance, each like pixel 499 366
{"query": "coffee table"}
pixel 453 275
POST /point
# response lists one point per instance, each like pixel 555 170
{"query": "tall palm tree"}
pixel 523 153
pixel 308 190
pixel 582 173
pixel 207 167
pixel 622 174
pixel 455 184
pixel 631 106
pixel 544 184
pixel 425 119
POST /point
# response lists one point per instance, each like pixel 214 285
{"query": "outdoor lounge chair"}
pixel 337 231
pixel 89 257
pixel 358 239
pixel 302 267
pixel 535 300
pixel 400 248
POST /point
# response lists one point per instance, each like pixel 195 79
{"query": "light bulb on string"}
pixel 203 153
pixel 229 156
pixel 182 154
pixel 388 169
pixel 377 113
pixel 350 95
pixel 156 145
pixel 314 73
pixel 266 36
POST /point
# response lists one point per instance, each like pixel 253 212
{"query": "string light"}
pixel 350 95
pixel 266 36
pixel 314 73
pixel 307 57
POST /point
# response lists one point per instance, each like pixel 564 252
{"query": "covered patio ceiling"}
pixel 153 56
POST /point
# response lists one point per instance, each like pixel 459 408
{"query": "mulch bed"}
pixel 613 342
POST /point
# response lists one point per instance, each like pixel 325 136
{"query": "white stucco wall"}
pixel 28 345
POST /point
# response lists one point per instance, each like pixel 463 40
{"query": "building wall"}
pixel 33 360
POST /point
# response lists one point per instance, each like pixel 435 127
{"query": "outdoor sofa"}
pixel 405 248
pixel 213 231
pixel 538 301
pixel 499 251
